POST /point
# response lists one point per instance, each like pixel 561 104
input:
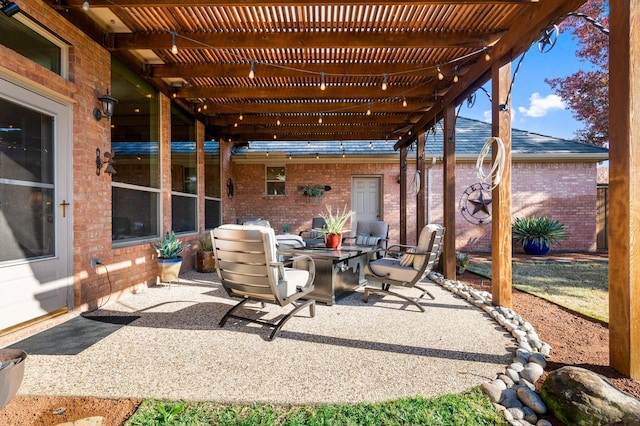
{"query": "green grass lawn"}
pixel 471 408
pixel 579 286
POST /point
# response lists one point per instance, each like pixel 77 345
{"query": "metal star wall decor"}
pixel 475 204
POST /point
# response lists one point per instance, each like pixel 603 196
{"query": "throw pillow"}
pixel 407 258
pixel 365 240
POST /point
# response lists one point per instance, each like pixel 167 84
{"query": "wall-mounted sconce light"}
pixel 9 8
pixel 107 103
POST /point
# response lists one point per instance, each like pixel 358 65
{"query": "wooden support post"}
pixel 449 191
pixel 403 194
pixel 624 187
pixel 421 202
pixel 501 241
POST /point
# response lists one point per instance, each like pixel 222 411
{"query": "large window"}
pixel 212 201
pixel 184 176
pixel 134 141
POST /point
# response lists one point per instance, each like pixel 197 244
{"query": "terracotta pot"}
pixel 169 268
pixel 332 240
pixel 205 262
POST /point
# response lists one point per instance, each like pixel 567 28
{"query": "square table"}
pixel 339 272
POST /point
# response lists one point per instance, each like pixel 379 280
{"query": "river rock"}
pixel 532 372
pixel 577 396
pixel 531 400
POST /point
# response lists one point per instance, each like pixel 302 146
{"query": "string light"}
pixel 369 109
pixel 241 117
pixel 404 101
pixel 278 121
pixel 274 136
pixel 370 145
pixel 343 154
pixel 235 124
pixel 440 75
pixel 487 56
pixel 455 77
pixel 317 156
pixel 174 46
pixel 85 5
pixel 308 144
pixel 252 73
pixel 384 81
pixel 320 120
pixel 323 83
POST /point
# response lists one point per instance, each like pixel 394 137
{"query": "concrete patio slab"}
pixel 350 352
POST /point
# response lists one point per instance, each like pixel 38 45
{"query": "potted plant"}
pixel 537 233
pixel 169 262
pixel 334 226
pixel 314 191
pixel 286 228
pixel 205 261
pixel 462 260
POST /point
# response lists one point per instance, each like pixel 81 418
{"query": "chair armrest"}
pixel 310 266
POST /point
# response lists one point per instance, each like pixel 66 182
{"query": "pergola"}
pixel 387 70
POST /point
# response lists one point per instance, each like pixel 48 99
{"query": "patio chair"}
pixel 248 267
pixel 370 233
pixel 312 237
pixel 408 270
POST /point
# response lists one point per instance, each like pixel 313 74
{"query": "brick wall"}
pixel 564 191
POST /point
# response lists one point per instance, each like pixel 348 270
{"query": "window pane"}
pixel 183 152
pixel 134 129
pixel 135 214
pixel 26 144
pixel 17 36
pixel 212 169
pixel 26 222
pixel 183 213
pixel 275 173
pixel 212 213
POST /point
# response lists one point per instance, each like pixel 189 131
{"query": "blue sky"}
pixel 535 107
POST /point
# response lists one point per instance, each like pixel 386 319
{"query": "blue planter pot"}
pixel 536 249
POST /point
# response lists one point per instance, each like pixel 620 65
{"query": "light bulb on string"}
pixel 85 5
pixel 320 120
pixel 440 75
pixel 241 117
pixel 252 73
pixel 369 109
pixel 278 121
pixel 487 56
pixel 323 83
pixel 384 82
pixel 174 46
pixel 404 101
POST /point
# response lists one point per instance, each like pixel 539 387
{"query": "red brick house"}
pixel 61 209
pixel 550 176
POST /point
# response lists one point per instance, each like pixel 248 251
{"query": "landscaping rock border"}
pixel 512 392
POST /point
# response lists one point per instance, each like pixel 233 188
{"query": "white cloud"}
pixel 539 106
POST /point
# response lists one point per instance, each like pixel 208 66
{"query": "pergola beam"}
pixel 228 3
pixel 303 40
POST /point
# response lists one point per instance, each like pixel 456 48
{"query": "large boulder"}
pixel 580 397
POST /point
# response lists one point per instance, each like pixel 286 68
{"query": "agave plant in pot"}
pixel 334 226
pixel 169 262
pixel 538 233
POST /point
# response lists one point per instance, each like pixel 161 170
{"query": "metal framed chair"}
pixel 248 267
pixel 370 233
pixel 312 237
pixel 407 270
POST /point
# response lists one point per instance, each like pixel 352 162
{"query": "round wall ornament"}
pixel 475 204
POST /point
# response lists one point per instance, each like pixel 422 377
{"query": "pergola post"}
pixel 403 194
pixel 501 244
pixel 421 202
pixel 449 191
pixel 624 187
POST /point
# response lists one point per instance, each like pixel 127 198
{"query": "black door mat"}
pixel 73 336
